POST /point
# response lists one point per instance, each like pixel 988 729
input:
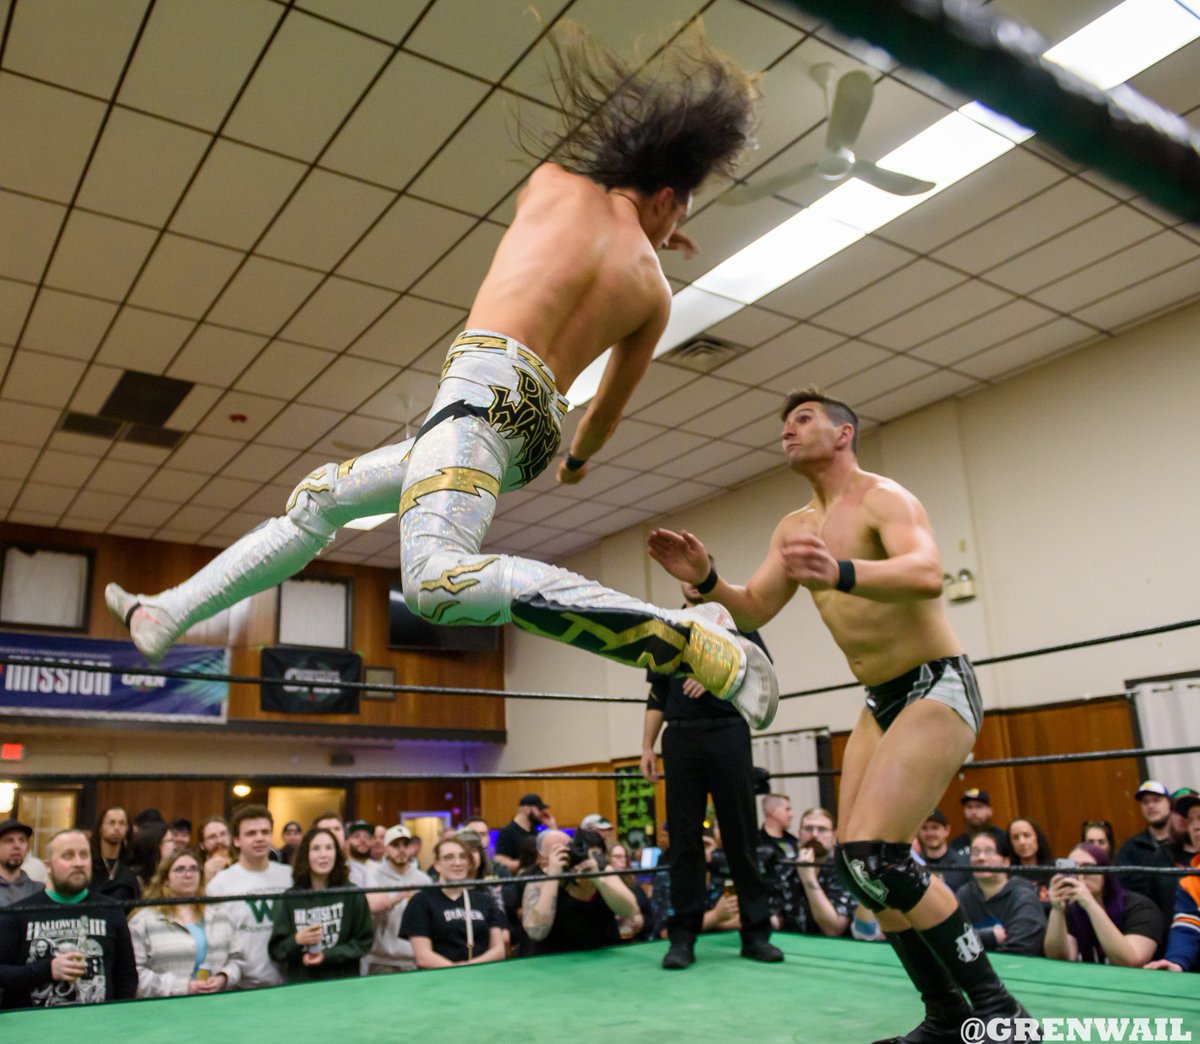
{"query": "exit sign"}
pixel 12 751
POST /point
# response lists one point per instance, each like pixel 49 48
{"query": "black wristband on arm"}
pixel 846 576
pixel 708 583
pixel 574 463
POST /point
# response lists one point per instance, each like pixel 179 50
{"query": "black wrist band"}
pixel 846 577
pixel 574 463
pixel 708 583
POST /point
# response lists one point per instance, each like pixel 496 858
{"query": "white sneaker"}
pixel 151 627
pixel 751 686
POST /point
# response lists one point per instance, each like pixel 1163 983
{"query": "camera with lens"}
pixel 581 847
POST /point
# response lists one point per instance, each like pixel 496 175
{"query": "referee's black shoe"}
pixel 761 950
pixel 681 954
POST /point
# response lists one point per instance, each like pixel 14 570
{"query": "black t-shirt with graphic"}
pixel 443 921
pixel 579 924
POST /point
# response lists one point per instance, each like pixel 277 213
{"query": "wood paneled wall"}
pixel 197 800
pixel 569 799
pixel 383 802
pixel 1057 797
pixel 145 565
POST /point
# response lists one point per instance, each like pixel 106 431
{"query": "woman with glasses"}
pixel 319 936
pixel 453 925
pixel 186 947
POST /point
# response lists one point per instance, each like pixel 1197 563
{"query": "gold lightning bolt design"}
pixel 457 480
pixel 450 578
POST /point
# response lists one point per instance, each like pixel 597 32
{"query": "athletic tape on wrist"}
pixel 846 576
pixel 708 583
pixel 574 463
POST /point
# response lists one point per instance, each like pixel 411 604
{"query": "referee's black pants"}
pixel 702 758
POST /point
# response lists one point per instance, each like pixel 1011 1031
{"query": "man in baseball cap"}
pixel 15 884
pixel 1152 847
pixel 977 813
pixel 398 869
pixel 521 831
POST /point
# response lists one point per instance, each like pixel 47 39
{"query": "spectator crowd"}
pixel 344 899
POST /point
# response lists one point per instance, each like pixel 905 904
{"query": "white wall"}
pixel 1069 491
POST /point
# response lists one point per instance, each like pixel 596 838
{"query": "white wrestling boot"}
pixel 750 684
pixel 151 627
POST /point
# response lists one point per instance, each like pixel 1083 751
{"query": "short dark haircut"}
pixel 689 115
pixel 836 410
pixel 328 815
pixel 181 824
pixel 147 815
pixel 302 871
pixel 240 816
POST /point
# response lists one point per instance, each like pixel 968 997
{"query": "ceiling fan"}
pixel 851 100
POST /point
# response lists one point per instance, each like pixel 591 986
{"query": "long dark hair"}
pixel 144 854
pixel 125 854
pixel 1112 898
pixel 689 115
pixel 302 872
pixel 1042 857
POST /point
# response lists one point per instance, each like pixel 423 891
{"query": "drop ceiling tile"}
pixel 1091 241
pixel 204 454
pixel 456 178
pixel 680 496
pixel 9 488
pixel 734 412
pixel 90 506
pixel 348 382
pixel 455 279
pixel 789 349
pixel 194 407
pixel 405 399
pixel 147 513
pixel 234 525
pixel 16 462
pixel 239 415
pixel 629 433
pixel 44 380
pixel 62 469
pixel 665 447
pixel 98 255
pixel 531 538
pixel 407 330
pixel 880 379
pixel 989 329
pixel 544 508
pixel 337 313
pixel 721 232
pixel 601 477
pixel 67 324
pixel 1147 258
pixel 614 521
pixel 953 308
pixel 135 532
pixel 236 218
pixel 141 340
pixel 113 476
pixel 1001 184
pixel 1157 294
pixel 298 426
pixel 408 239
pixel 501 32
pixel 558 548
pixel 742 470
pixel 356 436
pixel 228 493
pixel 1172 82
pixel 216 355
pixel 579 517
pixel 15 299
pixel 30 227
pixel 1025 350
pixel 173 73
pixel 33 161
pixel 697 463
pixel 390 21
pixel 75 43
pixel 192 518
pixel 46 501
pixel 923 392
pixel 916 282
pixel 264 295
pixel 304 234
pixel 286 108
pixel 751 327
pixel 763 431
pixel 1025 226
pixel 184 276
pixel 133 453
pixel 660 380
pixel 836 365
pixel 176 486
pixel 856 267
pixel 264 463
pixel 267 501
pixel 141 167
pixel 694 399
pixel 368 145
pixel 283 369
pixel 79 445
pixel 94 389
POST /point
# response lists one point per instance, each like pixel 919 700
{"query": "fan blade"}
pixel 890 180
pixel 749 193
pixel 850 104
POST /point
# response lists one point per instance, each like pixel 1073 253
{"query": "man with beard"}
pixel 215 845
pixel 977 814
pixel 399 869
pixel 1152 847
pixel 825 907
pixel 15 883
pixel 522 830
pixel 112 857
pixel 360 836
pixel 66 945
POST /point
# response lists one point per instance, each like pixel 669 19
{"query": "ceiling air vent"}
pixel 703 354
pixel 144 398
pixel 86 424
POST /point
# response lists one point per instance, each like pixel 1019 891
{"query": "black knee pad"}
pixel 882 875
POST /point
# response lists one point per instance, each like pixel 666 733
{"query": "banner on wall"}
pixel 69 690
pixel 294 664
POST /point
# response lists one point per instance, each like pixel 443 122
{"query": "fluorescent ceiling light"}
pixel 1121 43
pixel 694 309
pixel 369 521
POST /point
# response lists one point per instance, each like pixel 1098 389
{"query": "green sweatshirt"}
pixel 348 933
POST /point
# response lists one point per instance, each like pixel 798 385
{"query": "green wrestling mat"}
pixel 828 991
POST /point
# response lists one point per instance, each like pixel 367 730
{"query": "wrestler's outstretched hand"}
pixel 680 554
pixel 809 562
pixel 682 242
pixel 568 477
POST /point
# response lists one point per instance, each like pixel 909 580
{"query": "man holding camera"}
pixel 558 916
